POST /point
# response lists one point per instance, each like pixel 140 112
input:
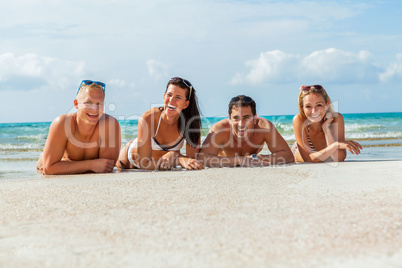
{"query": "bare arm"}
pixel 145 159
pixel 54 150
pixel 299 125
pixel 335 140
pixel 332 140
pixel 189 161
pixel 110 138
pixel 218 136
pixel 279 148
pixel 301 139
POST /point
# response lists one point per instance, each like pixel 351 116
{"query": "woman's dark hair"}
pixel 190 119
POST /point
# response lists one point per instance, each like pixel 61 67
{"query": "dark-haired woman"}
pixel 162 132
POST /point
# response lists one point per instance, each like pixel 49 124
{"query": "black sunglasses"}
pixel 185 82
pixel 90 82
pixel 244 98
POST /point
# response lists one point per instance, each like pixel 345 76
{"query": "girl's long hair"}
pixel 190 118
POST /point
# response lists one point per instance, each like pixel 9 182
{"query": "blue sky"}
pixel 264 49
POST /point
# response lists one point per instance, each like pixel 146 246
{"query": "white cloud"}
pixel 394 71
pixel 157 70
pixel 330 65
pixel 340 66
pixel 134 46
pixel 271 66
pixel 32 71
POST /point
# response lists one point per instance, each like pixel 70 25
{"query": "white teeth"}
pixel 171 107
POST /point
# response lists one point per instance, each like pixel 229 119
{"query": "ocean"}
pixel 380 134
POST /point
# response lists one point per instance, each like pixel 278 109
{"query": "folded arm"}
pixel 279 148
pixel 56 143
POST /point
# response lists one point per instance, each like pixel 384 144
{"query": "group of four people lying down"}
pixel 90 140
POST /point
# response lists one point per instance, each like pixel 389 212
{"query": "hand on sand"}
pixel 190 163
pixel 250 162
pixel 102 165
pixel 167 161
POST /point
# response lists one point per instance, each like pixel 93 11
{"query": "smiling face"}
pixel 90 104
pixel 242 121
pixel 314 107
pixel 174 100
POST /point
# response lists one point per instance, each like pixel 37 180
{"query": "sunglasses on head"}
pixel 185 82
pixel 90 82
pixel 307 88
pixel 244 98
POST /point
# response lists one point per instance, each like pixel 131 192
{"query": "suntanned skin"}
pixel 231 142
pixel 85 141
pixel 168 134
pixel 327 133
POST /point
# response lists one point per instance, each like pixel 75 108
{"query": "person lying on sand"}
pixel 238 140
pixel 319 131
pixel 85 141
pixel 163 131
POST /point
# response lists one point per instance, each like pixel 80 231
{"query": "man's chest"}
pixel 241 149
pixel 76 150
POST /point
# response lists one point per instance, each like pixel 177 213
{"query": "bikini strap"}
pixel 157 128
pixel 309 141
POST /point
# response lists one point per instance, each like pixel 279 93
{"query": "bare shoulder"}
pixel 60 119
pixel 220 126
pixel 61 122
pixel 337 116
pixel 151 114
pixel 61 127
pixel 110 119
pixel 108 124
pixel 264 123
pixel 298 119
pixel 218 134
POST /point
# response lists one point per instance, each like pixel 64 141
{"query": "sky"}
pixel 263 49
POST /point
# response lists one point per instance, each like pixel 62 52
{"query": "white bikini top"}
pixel 158 147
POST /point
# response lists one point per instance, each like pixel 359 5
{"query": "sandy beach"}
pixel 300 215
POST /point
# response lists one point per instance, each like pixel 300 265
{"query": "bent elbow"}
pixel 342 158
pixel 48 170
pixel 199 156
pixel 314 159
pixel 51 169
pixel 290 158
pixel 341 155
pixel 147 164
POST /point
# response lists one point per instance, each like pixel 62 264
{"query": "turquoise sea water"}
pixel 380 134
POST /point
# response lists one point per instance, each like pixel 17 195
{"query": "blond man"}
pixel 85 141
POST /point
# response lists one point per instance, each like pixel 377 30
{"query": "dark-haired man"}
pixel 237 141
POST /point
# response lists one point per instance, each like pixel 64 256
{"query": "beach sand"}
pixel 300 215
